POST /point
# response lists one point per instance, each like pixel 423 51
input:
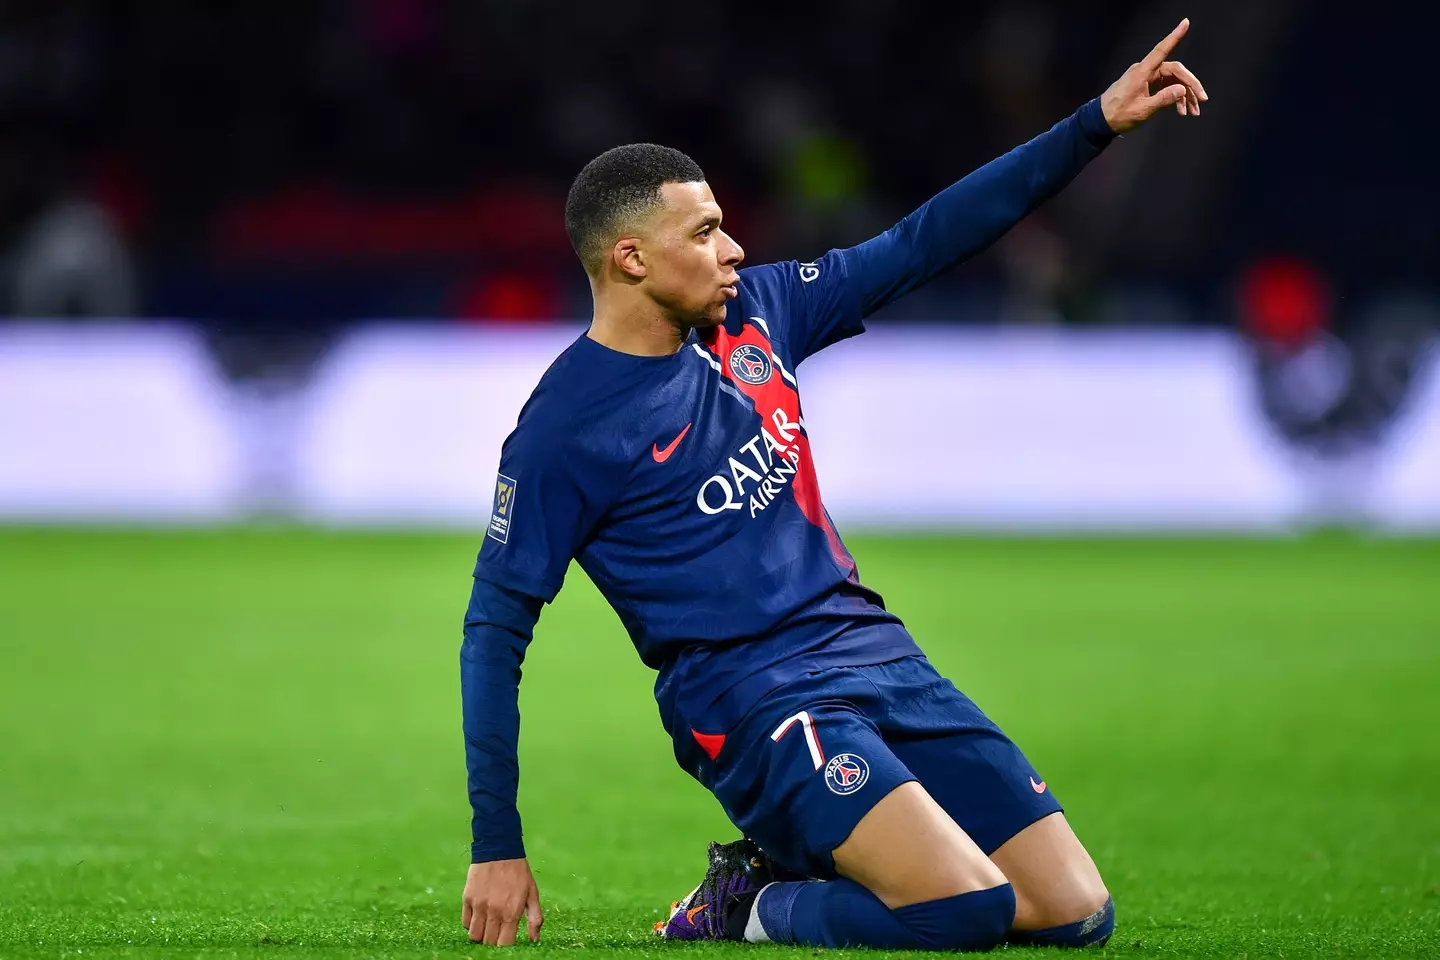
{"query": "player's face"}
pixel 690 262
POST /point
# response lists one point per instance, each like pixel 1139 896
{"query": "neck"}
pixel 630 323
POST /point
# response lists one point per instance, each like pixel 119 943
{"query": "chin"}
pixel 713 317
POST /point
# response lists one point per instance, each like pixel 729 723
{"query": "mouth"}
pixel 731 290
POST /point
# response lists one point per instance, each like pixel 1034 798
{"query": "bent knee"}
pixel 1057 897
pixel 1091 901
pixel 1069 903
pixel 978 920
pixel 1092 930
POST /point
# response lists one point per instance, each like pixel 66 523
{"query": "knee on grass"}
pixel 1091 931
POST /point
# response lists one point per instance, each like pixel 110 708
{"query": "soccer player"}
pixel 666 450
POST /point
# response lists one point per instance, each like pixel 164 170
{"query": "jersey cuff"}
pixel 483 851
pixel 1093 125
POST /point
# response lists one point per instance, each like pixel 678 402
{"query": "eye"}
pixel 707 230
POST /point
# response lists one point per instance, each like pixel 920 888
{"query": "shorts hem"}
pixel 831 847
pixel 1039 815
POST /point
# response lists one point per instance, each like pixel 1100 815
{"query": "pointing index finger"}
pixel 1163 49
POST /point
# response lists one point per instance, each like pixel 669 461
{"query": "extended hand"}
pixel 1129 102
pixel 496 894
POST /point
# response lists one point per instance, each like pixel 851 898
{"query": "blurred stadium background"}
pixel 275 282
pixel 309 262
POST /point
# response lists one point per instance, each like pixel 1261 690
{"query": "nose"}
pixel 733 254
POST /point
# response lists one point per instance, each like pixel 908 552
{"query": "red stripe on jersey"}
pixel 777 394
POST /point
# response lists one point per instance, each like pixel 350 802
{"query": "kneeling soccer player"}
pixel 665 449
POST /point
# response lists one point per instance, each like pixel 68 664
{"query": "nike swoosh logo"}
pixel 662 455
pixel 1037 787
pixel 690 914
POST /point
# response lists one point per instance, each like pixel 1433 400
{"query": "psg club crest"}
pixel 846 773
pixel 749 363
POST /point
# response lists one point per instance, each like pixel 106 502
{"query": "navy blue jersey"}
pixel 686 488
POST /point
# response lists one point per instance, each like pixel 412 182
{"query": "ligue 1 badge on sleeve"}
pixel 501 512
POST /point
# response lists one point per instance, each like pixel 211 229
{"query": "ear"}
pixel 628 258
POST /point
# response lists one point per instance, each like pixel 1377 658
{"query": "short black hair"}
pixel 616 188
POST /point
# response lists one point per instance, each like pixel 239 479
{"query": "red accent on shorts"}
pixel 711 743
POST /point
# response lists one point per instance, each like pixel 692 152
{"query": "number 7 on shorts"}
pixel 817 755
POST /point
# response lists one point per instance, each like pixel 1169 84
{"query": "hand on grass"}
pixel 497 894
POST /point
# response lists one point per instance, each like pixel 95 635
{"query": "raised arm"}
pixel 973 213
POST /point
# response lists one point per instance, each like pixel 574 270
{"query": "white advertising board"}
pixel 913 428
pixel 115 422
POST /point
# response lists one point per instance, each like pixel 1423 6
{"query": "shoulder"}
pixel 806 303
pixel 785 277
pixel 576 415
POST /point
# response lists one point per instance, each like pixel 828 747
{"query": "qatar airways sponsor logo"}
pixel 759 471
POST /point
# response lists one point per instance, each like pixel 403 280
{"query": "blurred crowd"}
pixel 306 164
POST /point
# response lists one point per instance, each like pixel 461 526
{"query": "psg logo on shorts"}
pixel 846 773
pixel 750 364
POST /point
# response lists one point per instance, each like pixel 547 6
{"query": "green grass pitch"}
pixel 246 743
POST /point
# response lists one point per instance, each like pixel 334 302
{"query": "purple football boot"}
pixel 736 873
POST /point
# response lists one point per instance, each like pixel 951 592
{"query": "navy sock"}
pixel 1093 931
pixel 839 913
pixel 972 921
pixel 828 913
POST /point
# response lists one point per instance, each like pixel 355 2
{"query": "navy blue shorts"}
pixel 801 769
